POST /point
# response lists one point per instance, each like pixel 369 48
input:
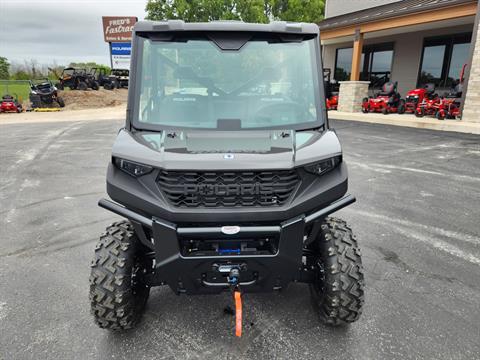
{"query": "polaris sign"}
pixel 120 53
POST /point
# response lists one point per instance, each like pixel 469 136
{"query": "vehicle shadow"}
pixel 274 324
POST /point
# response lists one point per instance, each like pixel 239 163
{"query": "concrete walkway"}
pixel 409 120
pixel 118 112
pixel 107 113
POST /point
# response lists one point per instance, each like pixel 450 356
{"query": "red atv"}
pixel 331 90
pixel 416 97
pixel 10 104
pixel 386 101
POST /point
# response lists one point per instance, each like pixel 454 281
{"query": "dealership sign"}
pixel 120 53
pixel 118 28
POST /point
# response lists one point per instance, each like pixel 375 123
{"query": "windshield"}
pixel 195 84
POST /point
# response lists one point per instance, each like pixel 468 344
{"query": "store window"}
pixel 343 64
pixel 375 64
pixel 443 59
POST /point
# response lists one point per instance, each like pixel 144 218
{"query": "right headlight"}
pixel 324 166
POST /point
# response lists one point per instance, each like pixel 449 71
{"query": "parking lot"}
pixel 417 219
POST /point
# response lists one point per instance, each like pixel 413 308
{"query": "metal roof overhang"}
pixel 385 19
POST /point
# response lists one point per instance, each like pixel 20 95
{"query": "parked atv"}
pixel 108 81
pixel 122 76
pixel 331 90
pixel 416 97
pixel 76 79
pixel 90 80
pixel 10 104
pixel 44 94
pixel 226 186
pixel 388 100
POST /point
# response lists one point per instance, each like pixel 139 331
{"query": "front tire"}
pixel 60 102
pixel 117 293
pixel 82 85
pixel 338 289
pixel 440 115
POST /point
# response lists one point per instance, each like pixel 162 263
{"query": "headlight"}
pixel 324 166
pixel 132 168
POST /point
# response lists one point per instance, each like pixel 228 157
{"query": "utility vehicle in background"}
pixel 76 79
pixel 44 94
pixel 122 76
pixel 331 90
pixel 226 173
pixel 105 78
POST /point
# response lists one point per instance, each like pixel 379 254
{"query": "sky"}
pixel 59 30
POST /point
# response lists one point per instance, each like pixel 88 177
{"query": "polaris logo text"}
pixel 228 190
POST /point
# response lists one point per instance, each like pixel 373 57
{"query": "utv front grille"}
pixel 228 188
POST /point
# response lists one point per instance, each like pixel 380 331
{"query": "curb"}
pixel 409 120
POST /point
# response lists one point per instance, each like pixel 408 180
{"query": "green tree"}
pixel 21 75
pixel 261 11
pixel 299 10
pixel 4 68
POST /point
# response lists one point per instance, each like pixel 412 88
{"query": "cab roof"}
pixel 277 27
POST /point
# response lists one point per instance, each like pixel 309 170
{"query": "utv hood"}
pixel 226 150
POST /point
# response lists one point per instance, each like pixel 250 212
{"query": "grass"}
pixel 15 88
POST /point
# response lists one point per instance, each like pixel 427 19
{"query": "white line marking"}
pixel 472 239
pixel 387 169
pixel 405 228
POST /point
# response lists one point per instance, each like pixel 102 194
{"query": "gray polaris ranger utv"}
pixel 226 172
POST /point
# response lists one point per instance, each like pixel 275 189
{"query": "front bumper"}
pixel 143 196
pixel 204 274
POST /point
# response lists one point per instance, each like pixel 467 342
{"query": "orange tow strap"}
pixel 238 313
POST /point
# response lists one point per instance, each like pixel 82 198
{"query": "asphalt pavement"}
pixel 417 219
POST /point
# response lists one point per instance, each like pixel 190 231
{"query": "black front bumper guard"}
pixel 199 274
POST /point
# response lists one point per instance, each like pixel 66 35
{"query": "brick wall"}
pixel 471 110
pixel 351 95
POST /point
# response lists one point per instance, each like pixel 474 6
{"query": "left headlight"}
pixel 324 166
pixel 132 168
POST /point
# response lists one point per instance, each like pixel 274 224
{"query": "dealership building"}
pixel 413 42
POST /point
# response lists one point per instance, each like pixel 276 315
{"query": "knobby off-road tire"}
pixel 338 291
pixel 60 102
pixel 117 294
pixel 82 85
